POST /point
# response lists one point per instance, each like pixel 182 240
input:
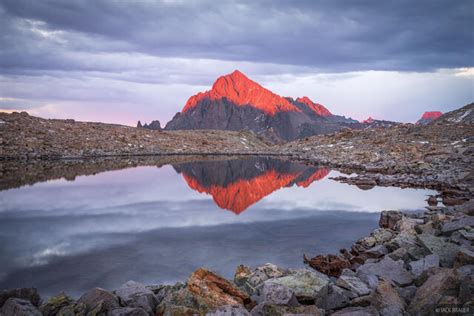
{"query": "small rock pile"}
pixel 411 265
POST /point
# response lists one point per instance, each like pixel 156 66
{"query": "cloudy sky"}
pixel 120 61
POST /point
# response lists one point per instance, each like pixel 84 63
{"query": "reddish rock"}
pixel 214 290
pixel 331 265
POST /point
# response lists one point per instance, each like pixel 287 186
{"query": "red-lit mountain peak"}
pixel 240 90
pixel 433 115
pixel 315 107
pixel 369 120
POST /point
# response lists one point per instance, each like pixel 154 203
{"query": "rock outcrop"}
pixel 429 117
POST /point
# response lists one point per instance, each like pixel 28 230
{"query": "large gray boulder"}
pixel 336 298
pixel 99 300
pixel 274 293
pixel 353 284
pixel 419 266
pixel 388 269
pixel 307 284
pixel 387 300
pixel 19 307
pixel 134 294
pixel 438 245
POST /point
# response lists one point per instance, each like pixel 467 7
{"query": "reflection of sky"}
pixel 146 224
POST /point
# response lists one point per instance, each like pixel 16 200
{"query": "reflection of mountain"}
pixel 237 184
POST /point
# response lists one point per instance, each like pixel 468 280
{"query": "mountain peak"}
pixel 431 115
pixel 368 120
pixel 242 91
pixel 317 108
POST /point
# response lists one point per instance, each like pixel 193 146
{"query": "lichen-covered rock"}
pixel 389 270
pixel 443 282
pixel 451 226
pixel 19 307
pixel 55 303
pixel 252 281
pixel 134 294
pixel 307 284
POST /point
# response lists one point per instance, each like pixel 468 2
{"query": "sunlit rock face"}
pixel 429 117
pixel 237 103
pixel 235 185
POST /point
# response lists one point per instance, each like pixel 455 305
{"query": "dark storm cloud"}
pixel 330 36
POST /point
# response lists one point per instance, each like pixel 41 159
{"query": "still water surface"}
pixel 158 224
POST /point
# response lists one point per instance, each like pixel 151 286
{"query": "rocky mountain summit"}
pixel 429 117
pixel 154 125
pixel 237 103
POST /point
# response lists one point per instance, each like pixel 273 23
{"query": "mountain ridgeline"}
pixel 237 103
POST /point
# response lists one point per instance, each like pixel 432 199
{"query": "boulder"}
pixel 129 311
pixel 331 265
pixel 399 254
pixel 464 257
pixel 278 294
pixel 387 300
pixel 30 294
pixel 307 284
pixel 438 245
pixel 214 291
pixel 450 227
pixel 443 282
pixel 388 219
pixel 336 298
pixel 55 304
pixel 417 267
pixel 134 294
pixel 176 310
pixel 376 251
pixel 99 300
pixel 357 311
pixel 353 284
pixel 368 278
pixel 19 307
pixel 229 310
pixel 388 269
pixel 252 281
pixel 164 290
pixel 407 292
pixel 264 309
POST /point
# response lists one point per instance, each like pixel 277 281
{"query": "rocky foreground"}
pixel 412 265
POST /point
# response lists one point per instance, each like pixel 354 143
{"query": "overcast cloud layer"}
pixel 119 61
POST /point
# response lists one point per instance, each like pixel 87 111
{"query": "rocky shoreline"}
pixel 414 264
